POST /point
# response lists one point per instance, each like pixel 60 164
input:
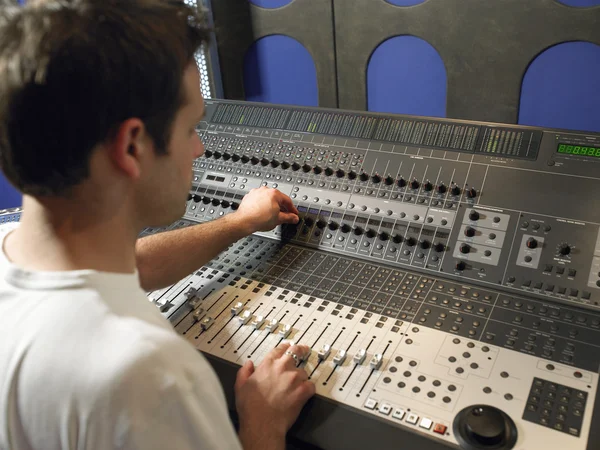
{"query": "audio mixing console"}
pixel 445 274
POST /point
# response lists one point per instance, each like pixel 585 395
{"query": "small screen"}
pixel 580 150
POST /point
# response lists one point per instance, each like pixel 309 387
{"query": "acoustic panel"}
pixel 239 24
pixel 486 46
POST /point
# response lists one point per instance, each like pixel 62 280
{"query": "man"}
pixel 100 99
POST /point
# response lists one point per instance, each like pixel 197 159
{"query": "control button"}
pixel 424 244
pixel 371 233
pixel 364 176
pixel 572 272
pixel 465 248
pixel 412 418
pixel 340 173
pixel 441 188
pixel 385 409
pixel 531 243
pixel 295 166
pixel 473 215
pixel 428 186
pixel 401 182
pixel 469 231
pixel 426 423
pixel 328 171
pixel 285 165
pixel 376 178
pixel 397 238
pixel 306 168
pixel 384 236
pixel 399 414
pixel 564 249
pixel 460 265
pixel 352 175
pixel 317 170
pixel 414 184
pixel 370 403
pixel 455 190
pixel 388 181
pixel 411 241
pixel 471 193
pixel 439 428
pixel 333 226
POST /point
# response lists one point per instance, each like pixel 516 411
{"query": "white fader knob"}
pixel 324 352
pixel 257 322
pixel 360 356
pixel 339 358
pixel 376 361
pixel 206 323
pixel 272 325
pixel 245 317
pixel 199 314
pixel 235 310
pixel 285 331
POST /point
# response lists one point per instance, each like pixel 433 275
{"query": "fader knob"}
pixel 465 248
pixel 340 173
pixel 226 156
pixel 427 186
pixel 484 427
pixel 346 228
pixel 564 249
pixel 473 215
pixel 254 160
pixel 264 162
pixel 455 190
pixel 441 188
pixel 274 163
pixel 352 175
pixel 414 184
pixel 285 165
pixel 401 182
pixel 469 231
pixel 328 171
pixel 295 166
pixel 333 226
pixel 388 181
pixel 306 168
pixel 531 243
pixel 376 179
pixel 317 170
pixel 364 176
pixel 471 193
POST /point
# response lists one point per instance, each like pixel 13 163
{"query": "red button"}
pixel 439 428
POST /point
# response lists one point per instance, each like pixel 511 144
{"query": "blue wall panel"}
pixel 580 3
pixel 270 3
pixel 561 88
pixel 406 75
pixel 405 2
pixel 278 69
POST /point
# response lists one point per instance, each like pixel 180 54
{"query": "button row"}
pixel 410 418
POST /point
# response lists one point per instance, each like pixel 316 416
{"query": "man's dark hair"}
pixel 72 71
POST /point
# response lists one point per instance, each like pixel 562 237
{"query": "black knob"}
pixel 484 427
pixel 346 228
pixel 254 160
pixel 321 224
pixel 397 238
pixel 439 247
pixel 340 173
pixel 245 159
pixel 465 248
pixel 376 179
pixel 384 236
pixel 328 171
pixel 455 190
pixel 358 231
pixel 471 193
pixel 295 166
pixel 352 175
pixel 424 244
pixel 197 198
pixel 564 249
pixel 531 243
pixel 473 215
pixel 206 200
pixel 333 225
pixel 264 162
pixel 364 176
pixel 371 233
pixel 216 202
pixel 285 165
pixel 460 265
pixel 308 221
pixel 441 188
pixel 235 205
pixel 226 156
pixel 411 241
pixel 317 170
pixel 235 157
pixel 306 168
pixel 225 204
pixel 208 153
pixel 428 186
pixel 274 163
pixel 388 181
pixel 217 155
pixel 414 184
pixel 469 231
pixel 401 182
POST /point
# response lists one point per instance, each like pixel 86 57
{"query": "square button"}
pixel 412 419
pixel 560 270
pixel 439 428
pixel 370 403
pixel 572 272
pixel 398 414
pixel 426 423
pixel 385 409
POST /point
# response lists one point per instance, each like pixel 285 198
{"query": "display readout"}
pixel 580 150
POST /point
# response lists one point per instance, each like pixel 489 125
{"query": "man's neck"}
pixel 54 237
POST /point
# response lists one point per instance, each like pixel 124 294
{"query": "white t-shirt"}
pixel 87 362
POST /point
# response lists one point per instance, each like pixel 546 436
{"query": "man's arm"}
pixel 164 259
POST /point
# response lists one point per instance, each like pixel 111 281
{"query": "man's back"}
pixel 87 362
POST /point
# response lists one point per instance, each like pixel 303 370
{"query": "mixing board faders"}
pixel 445 274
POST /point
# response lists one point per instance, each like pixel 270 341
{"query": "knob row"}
pixel 213 201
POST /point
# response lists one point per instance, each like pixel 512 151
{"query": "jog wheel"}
pixel 483 427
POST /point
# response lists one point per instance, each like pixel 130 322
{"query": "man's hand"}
pixel 269 397
pixel 264 208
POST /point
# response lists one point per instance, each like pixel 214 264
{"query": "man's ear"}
pixel 129 147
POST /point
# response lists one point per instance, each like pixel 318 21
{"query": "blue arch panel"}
pixel 278 69
pixel 406 75
pixel 561 88
pixel 580 3
pixel 405 2
pixel 270 4
pixel 9 196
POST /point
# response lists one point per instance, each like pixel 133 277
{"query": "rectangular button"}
pixel 370 403
pixel 385 409
pixel 412 419
pixel 426 423
pixel 398 414
pixel 439 428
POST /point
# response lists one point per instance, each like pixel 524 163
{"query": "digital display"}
pixel 580 150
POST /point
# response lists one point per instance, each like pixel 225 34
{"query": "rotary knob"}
pixel 333 225
pixel 439 247
pixel 295 167
pixel 427 186
pixel 321 224
pixel 264 162
pixel 364 176
pixel 384 236
pixel 441 188
pixel 351 175
pixel 216 202
pixel 306 168
pixel 465 248
pixel 388 181
pixel 197 198
pixel 317 170
pixel 235 157
pixel 469 231
pixel 254 160
pixel 564 249
pixel 397 238
pixel 401 182
pixel 206 200
pixel 225 204
pixel 345 228
pixel 531 243
pixel 274 163
pixel 328 171
pixel 340 173
pixel 245 159
pixel 471 193
pixel 376 179
pixel 455 190
pixel 473 215
pixel 235 205
pixel 371 233
pixel 484 427
pixel 358 231
pixel 414 184
pixel 217 155
pixel 285 165
pixel 208 153
pixel 411 241
pixel 424 244
pixel 460 265
pixel 308 221
pixel 226 156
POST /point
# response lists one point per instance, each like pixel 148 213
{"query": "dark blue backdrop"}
pixel 406 75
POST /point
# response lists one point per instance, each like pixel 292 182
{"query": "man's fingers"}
pixel 278 351
pixel 286 204
pixel 285 217
pixel 243 374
